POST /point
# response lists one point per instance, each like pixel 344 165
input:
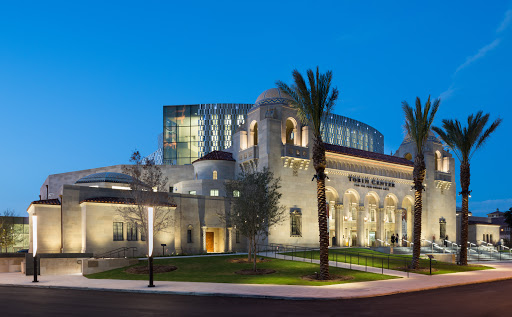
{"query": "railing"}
pixel 249 153
pixel 295 151
pixel 118 253
pixel 443 176
pixel 344 255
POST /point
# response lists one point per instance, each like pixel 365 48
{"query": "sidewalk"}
pixel 416 282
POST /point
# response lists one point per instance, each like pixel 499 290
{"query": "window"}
pixel 192 192
pixel 237 236
pixel 296 223
pixel 214 174
pixel 236 193
pixel 189 236
pixel 214 192
pixel 131 231
pixel 142 235
pixel 118 231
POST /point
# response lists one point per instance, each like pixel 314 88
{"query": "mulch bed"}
pixel 257 272
pixel 145 270
pixel 332 277
pixel 244 260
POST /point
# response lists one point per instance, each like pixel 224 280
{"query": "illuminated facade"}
pixel 191 131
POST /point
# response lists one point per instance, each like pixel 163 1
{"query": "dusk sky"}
pixel 82 84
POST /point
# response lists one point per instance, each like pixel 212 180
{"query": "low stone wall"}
pixel 11 264
pixel 55 263
pixel 90 266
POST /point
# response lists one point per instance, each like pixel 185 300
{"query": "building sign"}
pixel 371 182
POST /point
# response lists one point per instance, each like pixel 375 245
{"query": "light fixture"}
pixel 150 245
pixel 34 246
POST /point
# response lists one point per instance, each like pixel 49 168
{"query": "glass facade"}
pixel 192 131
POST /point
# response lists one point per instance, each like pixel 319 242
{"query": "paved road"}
pixel 488 299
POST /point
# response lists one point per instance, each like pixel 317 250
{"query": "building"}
pixel 369 193
pixel 482 230
pixel 19 227
pixel 192 131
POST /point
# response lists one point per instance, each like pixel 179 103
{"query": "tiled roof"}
pixel 366 154
pixel 217 155
pixel 121 200
pixel 47 202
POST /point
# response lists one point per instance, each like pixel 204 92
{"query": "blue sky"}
pixel 82 84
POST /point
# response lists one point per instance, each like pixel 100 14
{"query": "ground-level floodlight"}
pixel 34 246
pixel 150 245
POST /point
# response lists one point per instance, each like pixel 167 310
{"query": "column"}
pixel 338 225
pixel 230 239
pixel 410 223
pixel 361 232
pixel 398 223
pixel 380 225
pixel 204 238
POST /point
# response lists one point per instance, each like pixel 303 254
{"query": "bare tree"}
pixel 146 191
pixel 255 206
pixel 10 235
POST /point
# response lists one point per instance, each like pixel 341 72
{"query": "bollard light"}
pixel 150 245
pixel 34 246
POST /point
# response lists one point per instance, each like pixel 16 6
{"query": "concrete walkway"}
pixel 415 282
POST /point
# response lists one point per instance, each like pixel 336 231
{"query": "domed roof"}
pixel 272 96
pixel 106 177
pixel 431 137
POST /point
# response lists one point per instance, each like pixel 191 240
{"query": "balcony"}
pixel 442 176
pixel 248 154
pixel 295 151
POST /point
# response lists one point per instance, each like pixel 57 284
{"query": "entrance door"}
pixel 372 238
pixel 354 238
pixel 209 241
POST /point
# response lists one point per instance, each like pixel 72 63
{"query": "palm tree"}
pixel 313 104
pixel 417 125
pixel 464 141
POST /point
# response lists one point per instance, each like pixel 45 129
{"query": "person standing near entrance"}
pixel 393 239
pixel 397 240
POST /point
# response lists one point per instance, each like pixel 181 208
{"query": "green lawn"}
pixel 397 262
pixel 218 270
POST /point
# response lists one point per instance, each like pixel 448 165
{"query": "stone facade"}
pixel 369 194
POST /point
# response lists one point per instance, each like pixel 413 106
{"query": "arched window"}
pixel 214 174
pixel 439 162
pixel 255 134
pixel 189 233
pixel 290 132
pixel 295 223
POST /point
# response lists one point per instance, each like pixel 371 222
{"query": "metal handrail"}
pixel 117 251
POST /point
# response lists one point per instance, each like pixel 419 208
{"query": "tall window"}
pixel 189 236
pixel 118 231
pixel 237 236
pixel 214 192
pixel 214 174
pixel 296 224
pixel 131 231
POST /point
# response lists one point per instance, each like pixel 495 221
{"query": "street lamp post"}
pixel 34 246
pixel 150 245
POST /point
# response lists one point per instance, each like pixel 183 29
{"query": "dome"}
pixel 272 96
pixel 431 137
pixel 106 177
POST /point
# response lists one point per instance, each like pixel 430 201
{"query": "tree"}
pixel 465 141
pixel 146 191
pixel 417 124
pixel 10 234
pixel 256 207
pixel 508 217
pixel 313 105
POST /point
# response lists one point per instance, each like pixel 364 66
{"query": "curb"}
pixel 257 296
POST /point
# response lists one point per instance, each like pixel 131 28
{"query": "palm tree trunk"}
pixel 319 164
pixel 464 184
pixel 418 177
